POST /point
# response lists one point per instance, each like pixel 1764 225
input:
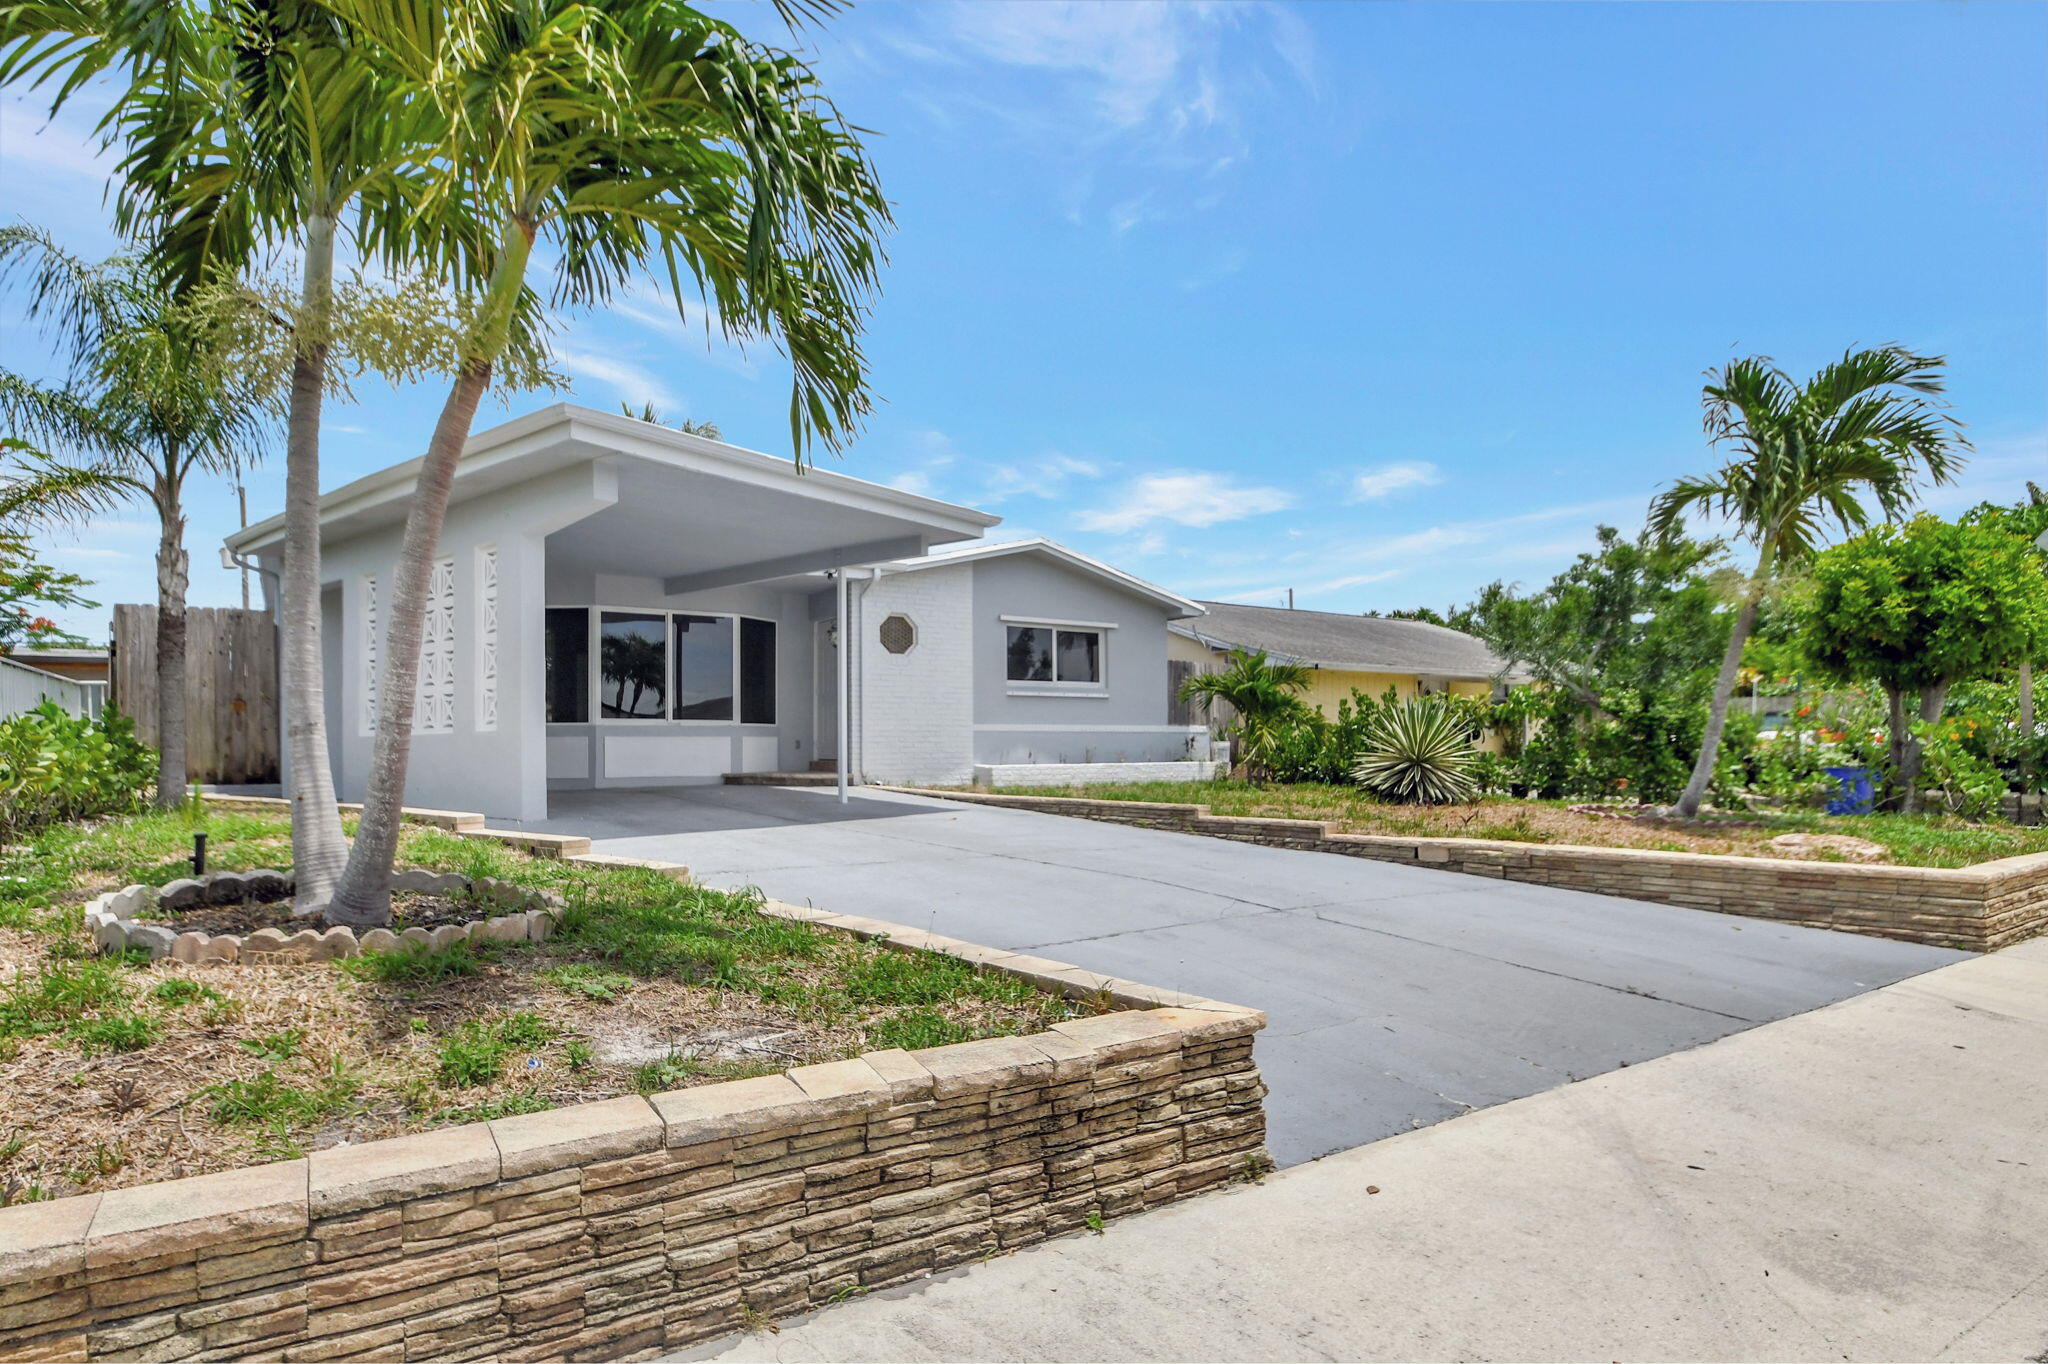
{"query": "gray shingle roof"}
pixel 1356 643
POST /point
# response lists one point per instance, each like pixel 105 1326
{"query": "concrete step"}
pixel 780 778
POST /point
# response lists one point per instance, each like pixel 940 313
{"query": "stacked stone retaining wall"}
pixel 1990 905
pixel 636 1226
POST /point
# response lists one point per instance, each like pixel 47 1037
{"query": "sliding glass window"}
pixel 658 665
pixel 568 665
pixel 704 667
pixel 757 671
pixel 632 665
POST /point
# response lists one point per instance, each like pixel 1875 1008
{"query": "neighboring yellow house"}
pixel 1369 653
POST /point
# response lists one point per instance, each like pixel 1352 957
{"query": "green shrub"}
pixel 1419 751
pixel 55 767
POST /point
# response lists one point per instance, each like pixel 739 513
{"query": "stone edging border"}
pixel 530 917
pixel 630 1227
pixel 1990 905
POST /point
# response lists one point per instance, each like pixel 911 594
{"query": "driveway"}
pixel 1395 997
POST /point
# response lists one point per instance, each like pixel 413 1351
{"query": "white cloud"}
pixel 1046 475
pixel 1375 483
pixel 913 481
pixel 1149 92
pixel 1185 499
pixel 29 138
pixel 634 383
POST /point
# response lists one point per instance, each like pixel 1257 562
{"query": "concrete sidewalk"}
pixel 1867 1181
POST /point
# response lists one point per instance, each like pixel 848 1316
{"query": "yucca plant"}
pixel 1417 752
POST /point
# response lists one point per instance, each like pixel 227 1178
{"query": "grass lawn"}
pixel 1913 840
pixel 117 1071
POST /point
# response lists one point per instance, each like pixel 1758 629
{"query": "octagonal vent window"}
pixel 899 636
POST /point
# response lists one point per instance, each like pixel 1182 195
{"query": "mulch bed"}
pixel 409 909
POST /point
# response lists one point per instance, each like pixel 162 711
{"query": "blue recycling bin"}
pixel 1855 792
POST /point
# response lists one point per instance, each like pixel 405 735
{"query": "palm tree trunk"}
pixel 364 894
pixel 318 849
pixel 171 578
pixel 1724 691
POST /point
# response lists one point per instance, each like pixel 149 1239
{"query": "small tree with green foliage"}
pixel 1262 694
pixel 2027 519
pixel 1918 608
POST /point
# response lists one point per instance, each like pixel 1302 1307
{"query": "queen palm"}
pixel 629 134
pixel 1804 456
pixel 150 402
pixel 1261 693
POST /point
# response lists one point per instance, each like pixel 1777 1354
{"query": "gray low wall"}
pixel 1990 905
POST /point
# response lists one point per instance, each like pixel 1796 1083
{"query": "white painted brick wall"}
pixel 917 709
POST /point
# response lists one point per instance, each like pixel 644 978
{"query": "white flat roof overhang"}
pixel 696 513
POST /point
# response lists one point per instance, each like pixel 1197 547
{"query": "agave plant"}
pixel 1417 752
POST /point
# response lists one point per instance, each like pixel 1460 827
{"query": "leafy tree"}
pixel 150 402
pixel 1803 453
pixel 1262 696
pixel 622 134
pixel 2029 521
pixel 1918 608
pixel 29 588
pixel 1634 615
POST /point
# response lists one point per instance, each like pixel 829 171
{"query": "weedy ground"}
pixel 120 1071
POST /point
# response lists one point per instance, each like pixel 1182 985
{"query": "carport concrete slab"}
pixel 1396 996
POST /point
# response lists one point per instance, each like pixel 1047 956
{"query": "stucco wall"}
pixel 1125 722
pixel 501 770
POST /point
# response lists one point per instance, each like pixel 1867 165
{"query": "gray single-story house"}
pixel 619 604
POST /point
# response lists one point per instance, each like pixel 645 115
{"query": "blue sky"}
pixel 1377 302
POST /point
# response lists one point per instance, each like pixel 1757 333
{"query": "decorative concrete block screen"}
pixel 1990 905
pixel 632 1227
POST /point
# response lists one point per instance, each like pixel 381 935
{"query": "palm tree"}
pixel 245 125
pixel 151 401
pixel 627 133
pixel 1261 693
pixel 1867 423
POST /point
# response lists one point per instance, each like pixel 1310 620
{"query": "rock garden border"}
pixel 632 1227
pixel 524 916
pixel 1978 909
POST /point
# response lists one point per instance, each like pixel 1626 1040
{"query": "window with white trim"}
pixel 1054 655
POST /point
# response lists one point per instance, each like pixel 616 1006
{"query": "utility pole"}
pixel 242 498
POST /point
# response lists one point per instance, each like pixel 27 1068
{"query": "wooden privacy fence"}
pixel 230 689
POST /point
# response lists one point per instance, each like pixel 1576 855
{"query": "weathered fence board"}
pixel 230 689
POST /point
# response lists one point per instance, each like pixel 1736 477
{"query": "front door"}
pixel 825 678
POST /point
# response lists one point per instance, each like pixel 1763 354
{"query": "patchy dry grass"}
pixel 1912 840
pixel 118 1071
